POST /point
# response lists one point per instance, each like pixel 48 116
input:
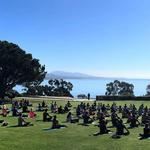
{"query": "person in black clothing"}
pixel 88 96
pixel 43 104
pixel 55 124
pixel 103 127
pixel 146 132
pixel 15 112
pixel 86 118
pixel 71 119
pixel 69 104
pixel 25 108
pixel 114 119
pixel 120 130
pixel 60 110
pixel 22 122
pixel 46 116
pixel 134 122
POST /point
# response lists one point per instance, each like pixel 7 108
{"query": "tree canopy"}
pixel 54 88
pixel 118 88
pixel 17 68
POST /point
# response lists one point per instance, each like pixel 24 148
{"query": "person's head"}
pixel 20 114
pixel 146 125
pixel 133 115
pixel 69 113
pixel 55 117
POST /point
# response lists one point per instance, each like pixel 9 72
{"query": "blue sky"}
pixel 100 37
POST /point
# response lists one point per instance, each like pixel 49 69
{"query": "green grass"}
pixel 75 137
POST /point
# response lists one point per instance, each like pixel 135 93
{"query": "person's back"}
pixel 85 118
pixel 43 104
pixel 14 111
pixel 25 108
pixel 69 117
pixel 55 123
pixel 146 132
pixel 120 128
pixel 103 128
pixel 20 120
pixel 60 110
pixel 133 122
pixel 45 115
pixel 32 114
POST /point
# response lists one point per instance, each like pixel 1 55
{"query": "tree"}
pixel 12 94
pixel 60 87
pixel 118 88
pixel 55 88
pixel 18 68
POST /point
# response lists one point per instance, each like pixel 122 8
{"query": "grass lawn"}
pixel 74 137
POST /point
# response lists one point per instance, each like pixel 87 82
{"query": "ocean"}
pixel 98 86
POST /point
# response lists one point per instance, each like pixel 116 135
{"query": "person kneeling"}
pixel 120 130
pixel 146 132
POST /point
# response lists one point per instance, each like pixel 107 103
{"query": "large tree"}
pixel 17 68
pixel 118 88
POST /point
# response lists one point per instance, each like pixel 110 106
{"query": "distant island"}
pixel 69 75
pixel 77 75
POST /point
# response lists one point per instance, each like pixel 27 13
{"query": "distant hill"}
pixel 77 75
pixel 69 75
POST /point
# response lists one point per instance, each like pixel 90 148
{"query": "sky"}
pixel 100 37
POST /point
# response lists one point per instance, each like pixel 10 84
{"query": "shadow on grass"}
pixel 50 129
pixel 82 124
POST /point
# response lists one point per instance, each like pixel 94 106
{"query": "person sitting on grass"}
pixel 114 119
pixel 39 107
pixel 15 112
pixel 55 123
pixel 5 111
pixel 71 119
pixel 54 108
pixel 86 118
pixel 22 122
pixel 78 111
pixel 3 123
pixel 145 118
pixel 120 127
pixel 46 116
pixel 60 110
pixel 43 104
pixel 134 121
pixel 69 104
pixel 31 114
pixel 66 109
pixel 146 132
pixel 103 127
pixel 25 108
